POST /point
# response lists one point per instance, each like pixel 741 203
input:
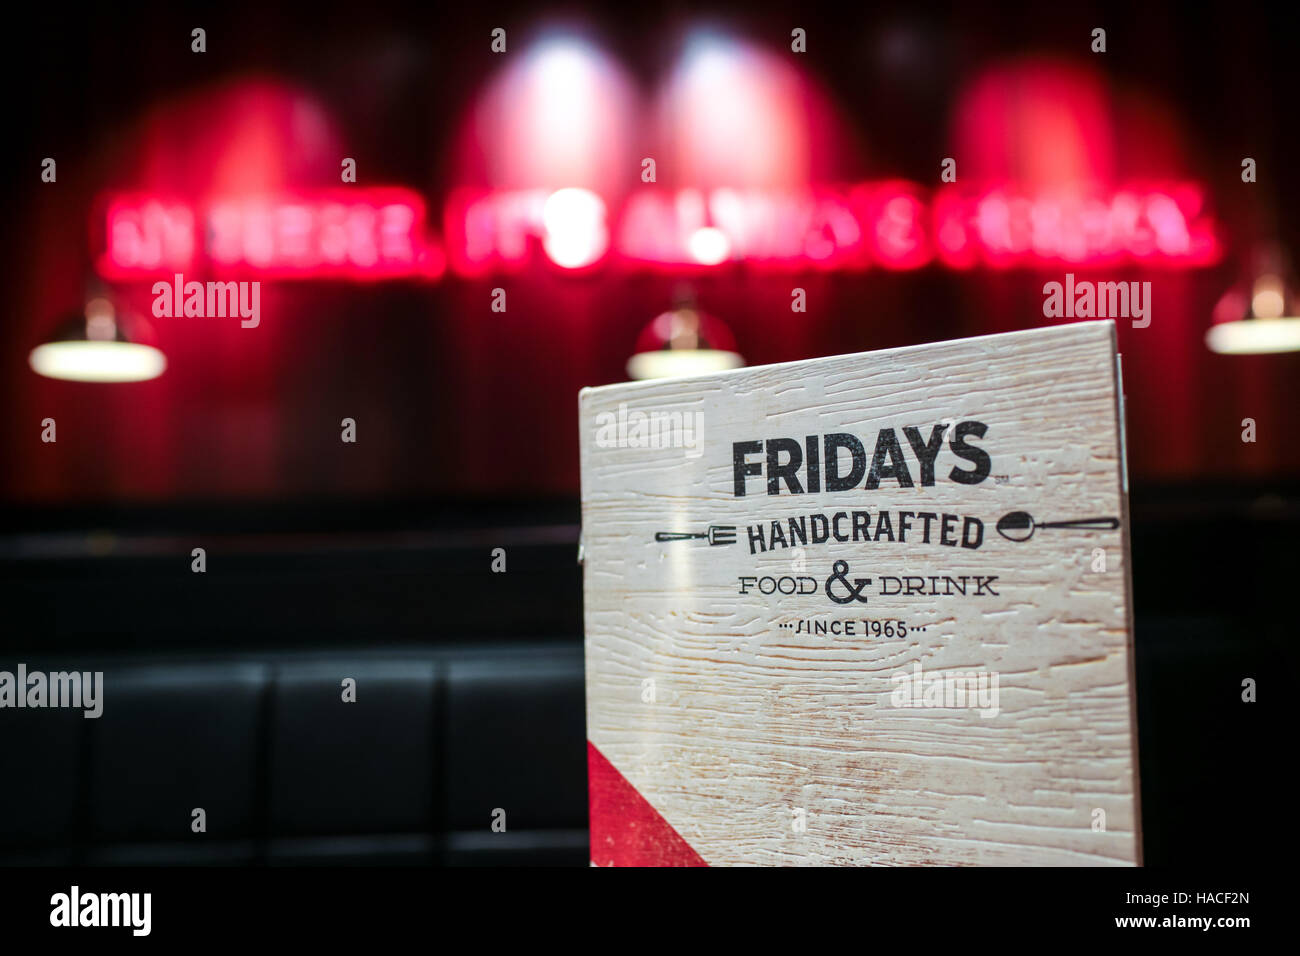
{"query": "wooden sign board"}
pixel 869 609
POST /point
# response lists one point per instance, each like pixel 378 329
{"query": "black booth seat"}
pixel 42 753
pixel 440 739
pixel 173 739
pixel 335 764
pixel 288 773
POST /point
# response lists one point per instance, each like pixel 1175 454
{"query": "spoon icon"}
pixel 1020 525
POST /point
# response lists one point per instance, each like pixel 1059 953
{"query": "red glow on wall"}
pixel 561 111
pixel 353 234
pixel 1035 122
pixel 732 113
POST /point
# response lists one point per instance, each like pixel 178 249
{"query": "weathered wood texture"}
pixel 751 722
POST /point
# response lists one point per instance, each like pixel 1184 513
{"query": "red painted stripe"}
pixel 625 829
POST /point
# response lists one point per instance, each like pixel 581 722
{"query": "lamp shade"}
pixel 683 341
pixel 1261 315
pixel 99 346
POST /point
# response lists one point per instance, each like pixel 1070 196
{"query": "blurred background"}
pixel 774 170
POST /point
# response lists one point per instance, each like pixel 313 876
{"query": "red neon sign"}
pixel 352 234
pixel 1147 224
pixel 893 225
pixel 380 233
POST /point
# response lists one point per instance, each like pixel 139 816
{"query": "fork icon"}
pixel 717 534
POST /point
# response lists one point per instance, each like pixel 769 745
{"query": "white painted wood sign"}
pixel 869 609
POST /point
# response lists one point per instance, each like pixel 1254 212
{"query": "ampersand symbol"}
pixel 841 570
